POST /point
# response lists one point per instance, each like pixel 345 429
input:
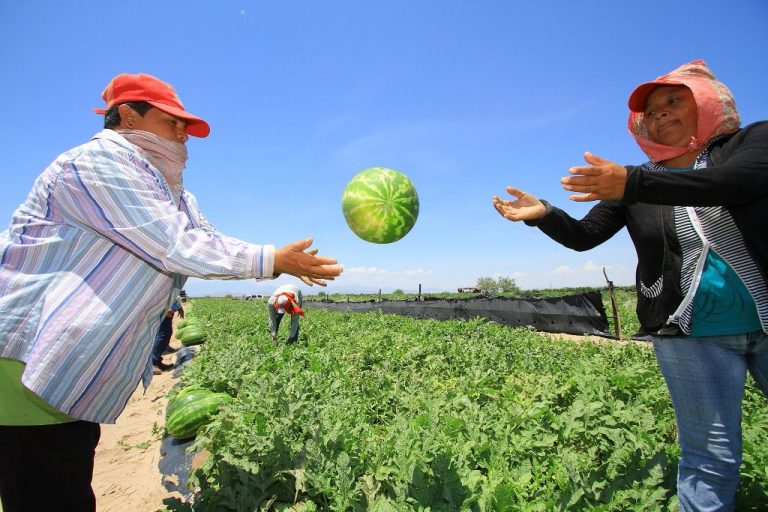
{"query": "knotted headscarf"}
pixel 717 114
pixel 286 303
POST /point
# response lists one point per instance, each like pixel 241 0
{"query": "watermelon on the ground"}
pixel 178 403
pixel 185 325
pixel 380 205
pixel 187 394
pixel 191 336
pixel 187 322
pixel 193 410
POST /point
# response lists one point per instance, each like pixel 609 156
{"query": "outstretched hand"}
pixel 525 207
pixel 602 179
pixel 298 259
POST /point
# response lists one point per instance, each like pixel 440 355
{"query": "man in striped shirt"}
pixel 92 260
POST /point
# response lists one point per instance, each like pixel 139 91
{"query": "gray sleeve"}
pixel 294 326
pixel 272 320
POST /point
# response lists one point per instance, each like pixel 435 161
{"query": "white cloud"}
pixel 375 277
pixel 365 270
pixel 587 266
pixel 370 279
pixel 513 275
pixel 590 266
pixel 588 273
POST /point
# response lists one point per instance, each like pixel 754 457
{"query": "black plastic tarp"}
pixel 581 313
pixel 175 464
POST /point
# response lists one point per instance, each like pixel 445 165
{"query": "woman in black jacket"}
pixel 697 213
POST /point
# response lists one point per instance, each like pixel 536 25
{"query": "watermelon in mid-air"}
pixel 380 205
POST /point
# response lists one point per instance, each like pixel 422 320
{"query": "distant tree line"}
pixel 503 284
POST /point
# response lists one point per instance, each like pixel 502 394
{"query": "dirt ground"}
pixel 126 477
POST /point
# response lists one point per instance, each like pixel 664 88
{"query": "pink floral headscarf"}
pixel 717 112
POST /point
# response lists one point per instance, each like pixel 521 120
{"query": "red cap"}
pixel 142 87
pixel 639 96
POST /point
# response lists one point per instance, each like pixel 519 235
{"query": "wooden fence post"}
pixel 616 321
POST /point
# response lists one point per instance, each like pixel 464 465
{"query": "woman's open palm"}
pixel 525 207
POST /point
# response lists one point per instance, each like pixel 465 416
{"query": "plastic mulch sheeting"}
pixel 183 355
pixel 175 464
pixel 175 460
pixel 582 313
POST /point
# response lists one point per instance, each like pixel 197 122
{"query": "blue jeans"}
pixel 162 340
pixel 706 377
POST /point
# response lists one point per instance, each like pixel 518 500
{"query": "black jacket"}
pixel 736 177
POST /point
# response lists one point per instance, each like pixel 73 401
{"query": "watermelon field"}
pixel 387 413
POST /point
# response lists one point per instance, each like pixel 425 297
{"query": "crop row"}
pixel 379 412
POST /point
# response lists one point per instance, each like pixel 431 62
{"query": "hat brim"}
pixel 195 126
pixel 640 95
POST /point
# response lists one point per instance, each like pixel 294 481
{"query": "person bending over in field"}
pixel 286 299
pixel 93 259
pixel 697 214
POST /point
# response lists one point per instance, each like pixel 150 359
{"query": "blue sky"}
pixel 465 97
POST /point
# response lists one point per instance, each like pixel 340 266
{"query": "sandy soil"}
pixel 126 476
pixel 594 339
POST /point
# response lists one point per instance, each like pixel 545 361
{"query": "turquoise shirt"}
pixel 722 304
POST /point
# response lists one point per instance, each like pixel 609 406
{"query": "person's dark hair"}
pixel 112 116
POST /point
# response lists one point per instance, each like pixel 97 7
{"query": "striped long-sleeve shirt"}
pixel 90 264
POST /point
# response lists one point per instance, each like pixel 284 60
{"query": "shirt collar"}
pixel 113 136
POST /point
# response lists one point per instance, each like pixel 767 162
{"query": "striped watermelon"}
pixel 191 410
pixel 191 336
pixel 182 397
pixel 187 322
pixel 380 205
